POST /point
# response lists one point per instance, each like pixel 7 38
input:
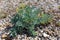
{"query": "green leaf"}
pixel 18 23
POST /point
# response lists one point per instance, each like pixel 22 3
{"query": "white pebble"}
pixel 45 35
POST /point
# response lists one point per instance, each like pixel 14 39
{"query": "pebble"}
pixel 30 38
pixel 45 35
pixel 4 36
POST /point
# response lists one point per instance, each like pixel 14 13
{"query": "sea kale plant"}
pixel 25 20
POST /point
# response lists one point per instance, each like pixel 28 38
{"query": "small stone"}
pixel 30 38
pixel 40 35
pixel 39 38
pixel 23 39
pixel 4 36
pixel 41 30
pixel 45 35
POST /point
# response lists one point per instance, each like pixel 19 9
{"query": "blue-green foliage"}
pixel 27 18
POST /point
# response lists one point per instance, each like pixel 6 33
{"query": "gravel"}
pixel 47 33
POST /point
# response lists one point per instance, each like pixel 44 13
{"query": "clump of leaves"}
pixel 26 19
pixel 45 18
